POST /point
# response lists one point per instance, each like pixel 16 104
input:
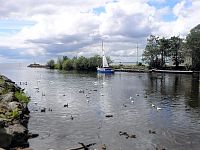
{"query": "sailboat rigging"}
pixel 105 67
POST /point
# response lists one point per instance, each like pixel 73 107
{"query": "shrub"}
pixel 51 64
pixel 67 64
pixel 139 64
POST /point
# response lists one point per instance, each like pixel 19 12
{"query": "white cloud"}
pixel 125 18
pixel 186 19
pixel 179 8
pixel 72 28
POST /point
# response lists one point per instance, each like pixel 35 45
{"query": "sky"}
pixel 36 31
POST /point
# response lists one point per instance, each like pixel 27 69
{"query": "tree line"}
pixel 159 51
pixel 76 63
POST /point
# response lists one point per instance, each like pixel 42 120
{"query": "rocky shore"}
pixel 14 115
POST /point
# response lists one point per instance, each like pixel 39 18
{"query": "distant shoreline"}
pixel 140 70
pixel 37 66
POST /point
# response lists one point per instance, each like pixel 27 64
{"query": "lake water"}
pixel 126 96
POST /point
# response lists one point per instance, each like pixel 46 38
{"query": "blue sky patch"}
pixel 158 5
pixel 169 17
pixel 170 4
pixel 12 26
pixel 99 10
pixel 188 4
pixel 11 53
pixel 8 32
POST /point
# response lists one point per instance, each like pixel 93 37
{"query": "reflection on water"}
pixel 127 96
pixel 176 86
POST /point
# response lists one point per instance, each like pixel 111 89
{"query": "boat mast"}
pixel 105 63
pixel 137 53
pixel 102 46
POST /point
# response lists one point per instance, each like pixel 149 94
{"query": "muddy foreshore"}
pixel 14 116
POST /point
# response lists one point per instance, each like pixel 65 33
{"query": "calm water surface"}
pixel 126 96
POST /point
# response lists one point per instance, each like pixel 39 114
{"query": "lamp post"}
pixel 137 53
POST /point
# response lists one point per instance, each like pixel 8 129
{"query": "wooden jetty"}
pixel 173 71
pixel 131 70
pixel 157 71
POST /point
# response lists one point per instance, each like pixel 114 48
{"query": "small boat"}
pixel 105 68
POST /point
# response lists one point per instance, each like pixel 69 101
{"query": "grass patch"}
pixel 4 91
pixel 15 113
pixel 1 81
pixel 21 97
pixel 2 116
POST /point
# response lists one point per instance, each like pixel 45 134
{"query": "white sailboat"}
pixel 105 68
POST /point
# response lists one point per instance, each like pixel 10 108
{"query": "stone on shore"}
pixel 5 138
pixel 19 135
pixel 8 97
pixel 14 115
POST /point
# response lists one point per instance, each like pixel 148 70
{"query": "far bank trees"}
pixel 176 50
pixel 193 46
pixel 51 64
pixel 159 50
pixel 77 63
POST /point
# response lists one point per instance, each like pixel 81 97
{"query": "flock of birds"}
pixel 86 95
pixel 152 105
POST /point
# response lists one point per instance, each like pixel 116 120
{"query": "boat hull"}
pixel 105 70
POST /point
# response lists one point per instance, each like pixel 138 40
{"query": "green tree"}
pixel 51 64
pixel 82 63
pixel 59 63
pixel 164 46
pixel 109 60
pixel 193 46
pixel 74 63
pixel 65 58
pixel 152 52
pixel 67 64
pixel 187 56
pixel 175 51
pixel 94 62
